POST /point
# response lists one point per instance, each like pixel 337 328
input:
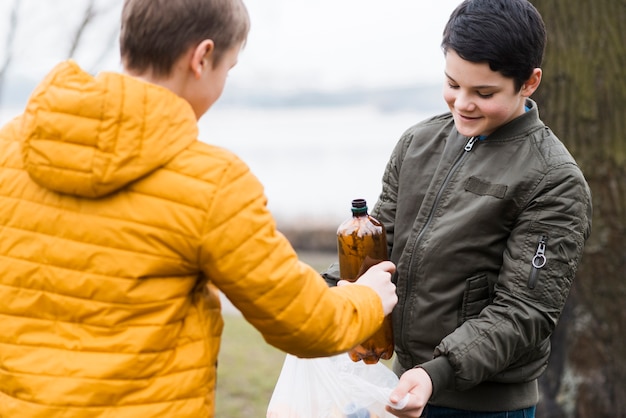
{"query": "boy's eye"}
pixel 478 93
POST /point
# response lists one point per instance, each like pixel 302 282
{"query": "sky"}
pixel 323 44
pixel 339 43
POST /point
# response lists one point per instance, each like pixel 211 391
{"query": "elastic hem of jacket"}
pixel 490 397
pixel 441 373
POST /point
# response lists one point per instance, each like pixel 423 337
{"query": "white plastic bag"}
pixel 331 387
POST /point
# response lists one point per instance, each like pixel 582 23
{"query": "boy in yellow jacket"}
pixel 118 227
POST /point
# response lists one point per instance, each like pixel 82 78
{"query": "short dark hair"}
pixel 509 35
pixel 156 33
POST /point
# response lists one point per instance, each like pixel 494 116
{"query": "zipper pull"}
pixel 538 261
pixel 470 143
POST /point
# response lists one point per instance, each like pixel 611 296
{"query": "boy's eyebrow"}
pixel 485 86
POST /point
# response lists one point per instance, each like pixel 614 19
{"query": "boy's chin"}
pixel 468 132
pixel 467 129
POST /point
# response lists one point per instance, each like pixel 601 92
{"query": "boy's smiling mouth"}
pixel 468 118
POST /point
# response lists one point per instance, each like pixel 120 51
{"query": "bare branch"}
pixel 88 16
pixel 9 47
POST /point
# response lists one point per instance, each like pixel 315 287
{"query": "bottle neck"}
pixel 359 212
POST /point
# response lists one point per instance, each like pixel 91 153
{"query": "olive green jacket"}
pixel 470 224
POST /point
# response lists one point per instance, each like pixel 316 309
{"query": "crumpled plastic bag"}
pixel 332 387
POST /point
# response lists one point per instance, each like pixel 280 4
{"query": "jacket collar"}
pixel 521 125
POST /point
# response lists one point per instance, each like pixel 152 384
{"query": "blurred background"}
pixel 322 91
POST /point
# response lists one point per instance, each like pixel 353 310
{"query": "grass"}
pixel 248 369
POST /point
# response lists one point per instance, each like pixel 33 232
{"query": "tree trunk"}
pixel 583 99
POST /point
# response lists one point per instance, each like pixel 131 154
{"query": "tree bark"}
pixel 583 99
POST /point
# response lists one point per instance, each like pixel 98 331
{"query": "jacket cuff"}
pixel 441 373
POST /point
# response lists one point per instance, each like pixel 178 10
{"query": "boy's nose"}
pixel 464 102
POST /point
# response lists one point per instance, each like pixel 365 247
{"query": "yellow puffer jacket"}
pixel 117 227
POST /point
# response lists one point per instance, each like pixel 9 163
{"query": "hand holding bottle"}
pixel 361 244
pixel 378 277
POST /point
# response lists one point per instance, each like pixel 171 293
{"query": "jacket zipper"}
pixel 538 261
pixel 469 145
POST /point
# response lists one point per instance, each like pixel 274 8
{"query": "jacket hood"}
pixel 90 136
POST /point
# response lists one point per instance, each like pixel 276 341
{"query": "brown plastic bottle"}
pixel 361 243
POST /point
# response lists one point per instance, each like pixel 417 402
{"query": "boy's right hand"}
pixel 378 277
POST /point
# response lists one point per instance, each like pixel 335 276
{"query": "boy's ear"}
pixel 529 87
pixel 201 57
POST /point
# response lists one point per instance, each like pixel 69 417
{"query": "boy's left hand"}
pixel 417 383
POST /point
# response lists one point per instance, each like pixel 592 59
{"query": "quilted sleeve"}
pixel 255 266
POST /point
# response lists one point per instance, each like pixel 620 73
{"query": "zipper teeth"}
pixel 468 147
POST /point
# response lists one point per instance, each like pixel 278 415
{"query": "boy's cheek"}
pixel 448 96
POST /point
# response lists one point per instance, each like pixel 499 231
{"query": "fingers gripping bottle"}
pixel 361 243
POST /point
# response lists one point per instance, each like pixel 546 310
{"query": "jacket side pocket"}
pixel 476 297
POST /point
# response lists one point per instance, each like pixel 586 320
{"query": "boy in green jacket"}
pixel 486 214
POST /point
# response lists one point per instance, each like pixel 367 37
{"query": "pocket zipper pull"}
pixel 538 261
